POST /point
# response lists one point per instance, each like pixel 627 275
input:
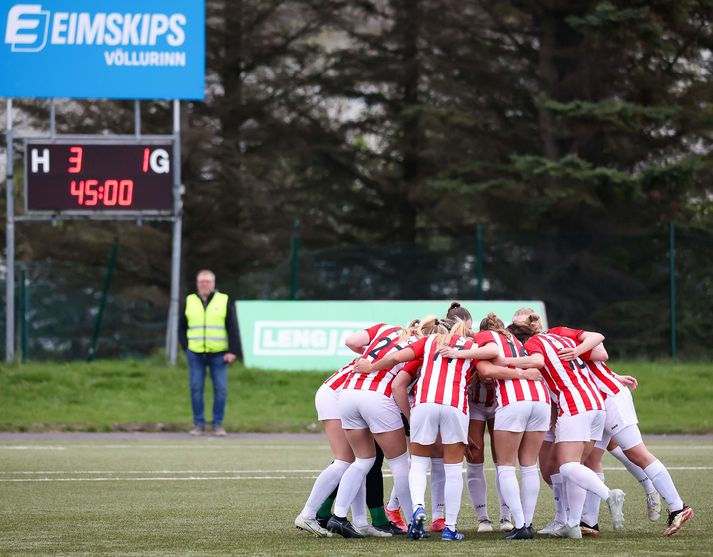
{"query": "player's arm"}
pixel 399 387
pixel 587 340
pixel 488 370
pixel 535 359
pixel 357 341
pixel 487 352
pixel 404 355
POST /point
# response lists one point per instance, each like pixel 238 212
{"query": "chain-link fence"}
pixel 620 285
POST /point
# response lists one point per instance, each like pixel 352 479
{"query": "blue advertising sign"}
pixel 113 49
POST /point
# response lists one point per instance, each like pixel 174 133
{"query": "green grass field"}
pixel 239 496
pixel 148 394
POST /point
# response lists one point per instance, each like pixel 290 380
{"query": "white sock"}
pixel 359 507
pixel 590 513
pixel 477 489
pixel 417 479
pixel 400 471
pixel 510 492
pixel 634 470
pixel 438 482
pixel 352 480
pixel 452 493
pixel 560 504
pixel 585 478
pixel 663 483
pixel 575 503
pixel 393 504
pixel 530 477
pixel 323 486
pixel 504 510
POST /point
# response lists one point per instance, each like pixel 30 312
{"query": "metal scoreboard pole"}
pixel 172 330
pixel 10 243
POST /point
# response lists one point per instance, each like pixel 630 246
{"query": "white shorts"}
pixel 369 410
pixel 429 419
pixel 481 413
pixel 586 426
pixel 326 401
pixel 525 415
pixel 550 435
pixel 621 415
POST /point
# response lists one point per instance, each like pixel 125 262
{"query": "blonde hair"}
pixel 445 329
pixel 526 326
pixel 413 330
pixel 493 323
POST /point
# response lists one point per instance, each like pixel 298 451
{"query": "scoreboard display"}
pixel 92 177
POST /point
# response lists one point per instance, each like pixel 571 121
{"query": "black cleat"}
pixel 530 531
pixel 522 533
pixel 322 520
pixel 391 528
pixel 589 531
pixel 343 527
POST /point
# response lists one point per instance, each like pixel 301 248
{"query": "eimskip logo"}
pixel 26 29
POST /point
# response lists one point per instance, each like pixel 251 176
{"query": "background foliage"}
pixel 573 132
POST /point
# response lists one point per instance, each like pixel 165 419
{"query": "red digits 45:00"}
pixel 110 193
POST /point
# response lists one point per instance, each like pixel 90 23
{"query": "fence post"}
pixel 672 285
pixel 25 329
pixel 102 301
pixel 479 261
pixel 295 259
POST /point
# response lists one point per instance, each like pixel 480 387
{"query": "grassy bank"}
pixel 148 394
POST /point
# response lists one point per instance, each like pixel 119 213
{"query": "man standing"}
pixel 208 333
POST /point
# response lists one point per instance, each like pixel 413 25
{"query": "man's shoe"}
pixel 343 527
pixel 522 533
pixel 653 506
pixel 615 502
pixel 437 525
pixel 415 529
pixel 677 519
pixel 218 431
pixel 589 531
pixel 571 532
pixel 485 526
pixel 197 430
pixel 371 531
pixel 391 528
pixel 551 528
pixel 396 518
pixel 312 526
pixel 449 535
pixel 506 525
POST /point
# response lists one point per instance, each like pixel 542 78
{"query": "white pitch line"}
pixel 160 447
pixel 269 476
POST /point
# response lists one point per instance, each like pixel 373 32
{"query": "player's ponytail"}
pixel 457 311
pixel 493 323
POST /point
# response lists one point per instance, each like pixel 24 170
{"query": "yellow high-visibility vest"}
pixel 206 326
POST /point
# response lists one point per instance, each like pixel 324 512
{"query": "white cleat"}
pixel 485 526
pixel 615 502
pixel 506 525
pixel 653 505
pixel 551 528
pixel 370 532
pixel 312 526
pixel 571 532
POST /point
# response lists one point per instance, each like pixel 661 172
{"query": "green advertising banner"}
pixel 307 335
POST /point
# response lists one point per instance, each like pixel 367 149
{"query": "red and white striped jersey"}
pixel 442 380
pixel 512 390
pixel 482 393
pixel 413 368
pixel 604 377
pixel 383 340
pixel 337 379
pixel 570 383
